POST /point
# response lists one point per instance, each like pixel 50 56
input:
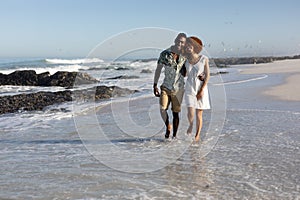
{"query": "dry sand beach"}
pixel 289 90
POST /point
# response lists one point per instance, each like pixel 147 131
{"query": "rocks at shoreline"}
pixel 60 78
pixel 144 60
pixel 32 101
pixel 146 71
pixel 123 77
pixel 40 100
pixel 224 62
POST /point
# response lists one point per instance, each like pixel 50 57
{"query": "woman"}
pixel 196 92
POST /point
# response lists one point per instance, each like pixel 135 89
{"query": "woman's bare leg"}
pixel 198 124
pixel 190 115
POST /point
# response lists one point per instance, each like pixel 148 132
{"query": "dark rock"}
pixel 113 91
pixel 27 77
pixel 145 60
pixel 122 68
pixel 224 62
pixel 123 77
pixel 217 73
pixel 61 78
pixel 43 79
pixel 33 101
pixel 146 71
pixel 40 100
pixel 69 79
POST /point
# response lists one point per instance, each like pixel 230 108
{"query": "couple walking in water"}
pixel 183 59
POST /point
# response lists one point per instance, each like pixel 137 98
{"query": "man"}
pixel 172 88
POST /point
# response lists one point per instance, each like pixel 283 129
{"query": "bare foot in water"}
pixel 197 137
pixel 170 127
pixel 189 131
pixel 168 131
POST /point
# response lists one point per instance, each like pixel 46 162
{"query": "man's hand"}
pixel 201 77
pixel 156 92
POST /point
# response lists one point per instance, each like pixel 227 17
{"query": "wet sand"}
pixel 286 90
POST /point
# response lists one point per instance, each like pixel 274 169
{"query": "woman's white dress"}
pixel 193 85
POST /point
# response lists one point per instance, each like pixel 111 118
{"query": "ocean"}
pixel 115 148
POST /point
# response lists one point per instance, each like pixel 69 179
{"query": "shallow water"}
pixel 256 157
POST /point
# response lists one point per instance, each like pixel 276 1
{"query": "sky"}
pixel 73 28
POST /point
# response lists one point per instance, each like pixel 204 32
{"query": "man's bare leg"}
pixel 175 123
pixel 165 117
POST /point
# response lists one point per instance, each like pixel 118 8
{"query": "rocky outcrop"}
pixel 123 77
pixel 33 101
pixel 223 62
pixel 40 100
pixel 146 71
pixel 60 78
pixel 101 92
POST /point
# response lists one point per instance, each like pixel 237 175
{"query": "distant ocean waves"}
pixel 8 66
pixel 74 61
pixel 24 61
pixel 41 69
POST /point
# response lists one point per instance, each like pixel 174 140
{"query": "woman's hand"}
pixel 200 94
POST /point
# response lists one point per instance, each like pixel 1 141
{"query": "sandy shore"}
pixel 287 90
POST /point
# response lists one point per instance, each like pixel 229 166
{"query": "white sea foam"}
pixel 51 70
pixel 74 61
pixel 13 90
pixel 139 64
